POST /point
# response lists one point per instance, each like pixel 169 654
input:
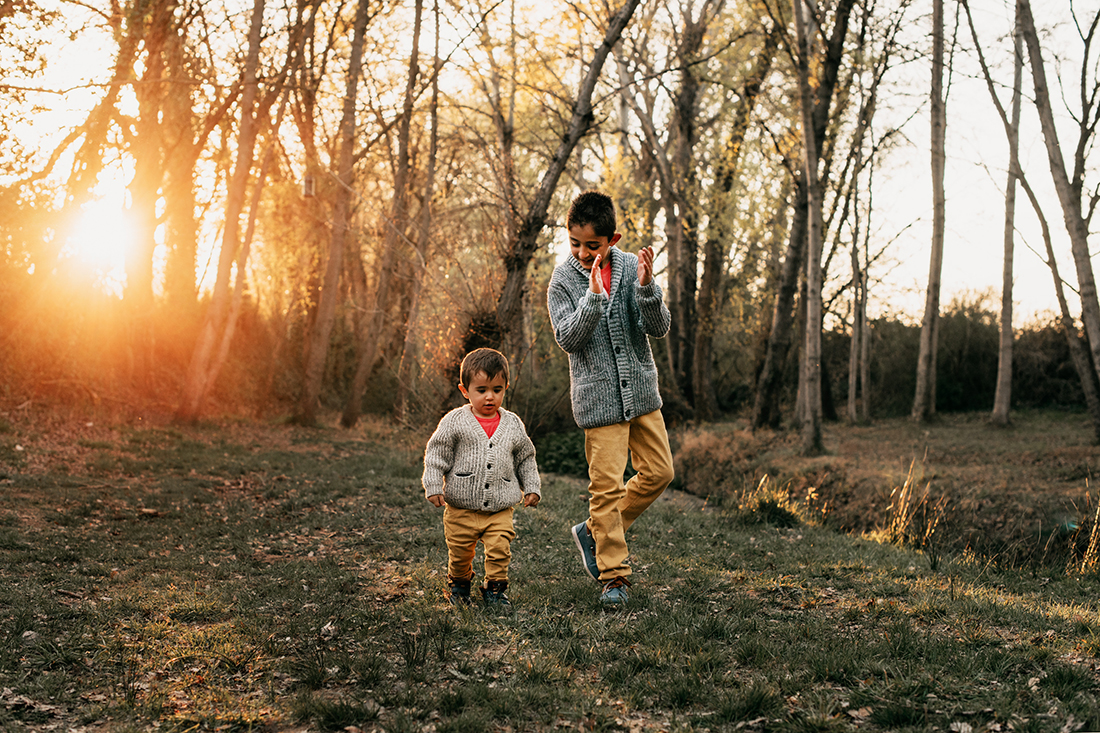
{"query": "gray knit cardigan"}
pixel 612 374
pixel 474 471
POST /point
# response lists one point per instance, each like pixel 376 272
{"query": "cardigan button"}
pixel 489 466
pixel 624 382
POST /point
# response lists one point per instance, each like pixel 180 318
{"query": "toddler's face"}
pixel 485 394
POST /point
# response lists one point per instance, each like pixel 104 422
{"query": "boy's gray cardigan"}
pixel 474 471
pixel 612 374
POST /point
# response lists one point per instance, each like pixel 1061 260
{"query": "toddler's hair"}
pixel 595 208
pixel 489 361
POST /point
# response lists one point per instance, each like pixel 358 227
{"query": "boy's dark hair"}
pixel 595 208
pixel 489 361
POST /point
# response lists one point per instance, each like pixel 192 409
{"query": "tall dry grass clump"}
pixel 718 464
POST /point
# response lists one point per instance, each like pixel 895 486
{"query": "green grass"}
pixel 270 578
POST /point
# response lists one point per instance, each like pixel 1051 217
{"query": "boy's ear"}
pixel 615 237
pixel 462 389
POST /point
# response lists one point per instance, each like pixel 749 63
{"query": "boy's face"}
pixel 484 394
pixel 585 245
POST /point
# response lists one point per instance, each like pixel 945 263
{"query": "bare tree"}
pixel 1002 397
pixel 1070 189
pixel 198 372
pixel 765 403
pixel 306 413
pixel 811 359
pixel 1090 385
pixel 924 400
pixel 715 251
pixel 509 308
pixel 371 335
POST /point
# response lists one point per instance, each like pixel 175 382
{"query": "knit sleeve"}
pixel 523 457
pixel 574 318
pixel 656 318
pixel 439 457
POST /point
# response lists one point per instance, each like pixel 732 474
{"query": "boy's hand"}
pixel 531 500
pixel 436 500
pixel 595 282
pixel 645 266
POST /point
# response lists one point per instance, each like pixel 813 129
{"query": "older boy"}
pixel 479 463
pixel 604 304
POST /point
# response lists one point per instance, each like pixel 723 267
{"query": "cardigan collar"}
pixel 617 261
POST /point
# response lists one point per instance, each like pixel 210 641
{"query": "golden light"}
pixel 101 239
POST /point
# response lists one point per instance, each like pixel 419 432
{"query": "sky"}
pixel 976 178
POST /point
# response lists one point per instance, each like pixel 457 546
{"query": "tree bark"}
pixel 766 399
pixel 811 361
pixel 326 309
pixel 1002 397
pixel 370 336
pixel 196 385
pixel 509 310
pixel 924 399
pixel 1069 191
pixel 715 252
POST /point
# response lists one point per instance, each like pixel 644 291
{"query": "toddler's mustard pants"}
pixel 463 528
pixel 612 505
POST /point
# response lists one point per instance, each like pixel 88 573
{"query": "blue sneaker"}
pixel 587 546
pixel 614 592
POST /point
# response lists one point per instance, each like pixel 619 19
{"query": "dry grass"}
pixel 1021 493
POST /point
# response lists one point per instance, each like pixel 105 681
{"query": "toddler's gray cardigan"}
pixel 474 471
pixel 612 374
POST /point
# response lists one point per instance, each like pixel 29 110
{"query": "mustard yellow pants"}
pixel 462 529
pixel 612 505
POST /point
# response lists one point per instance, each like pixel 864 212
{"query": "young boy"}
pixel 479 463
pixel 604 304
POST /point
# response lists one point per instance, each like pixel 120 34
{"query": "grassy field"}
pixel 263 577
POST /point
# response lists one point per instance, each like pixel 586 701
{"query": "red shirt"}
pixel 605 275
pixel 489 424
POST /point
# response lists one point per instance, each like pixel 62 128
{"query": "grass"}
pixel 239 577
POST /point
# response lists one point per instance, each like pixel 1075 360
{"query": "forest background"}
pixel 296 209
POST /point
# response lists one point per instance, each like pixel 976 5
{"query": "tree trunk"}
pixel 859 309
pixel 345 174
pixel 1078 355
pixel 715 252
pixel 811 359
pixel 924 400
pixel 405 367
pixel 1069 192
pixel 370 337
pixel 1002 398
pixel 198 370
pixel 766 399
pixel 509 311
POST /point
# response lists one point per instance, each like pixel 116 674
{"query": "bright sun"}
pixel 100 242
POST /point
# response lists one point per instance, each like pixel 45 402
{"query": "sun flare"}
pixel 100 242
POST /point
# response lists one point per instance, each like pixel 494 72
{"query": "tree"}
pixel 1002 399
pixel 711 295
pixel 317 349
pixel 395 229
pixel 924 400
pixel 509 307
pixel 199 374
pixel 811 359
pixel 1070 189
pixel 1090 386
pixel 765 401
